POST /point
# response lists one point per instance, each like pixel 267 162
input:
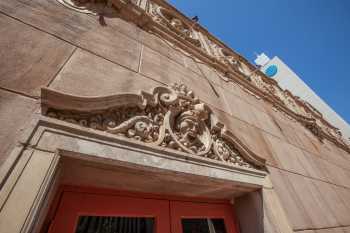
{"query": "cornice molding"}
pixel 162 19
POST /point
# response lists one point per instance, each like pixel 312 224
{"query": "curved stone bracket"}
pixel 169 117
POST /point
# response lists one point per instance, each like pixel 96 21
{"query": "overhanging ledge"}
pixel 77 142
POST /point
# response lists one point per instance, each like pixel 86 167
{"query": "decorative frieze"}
pixel 171 117
pixel 161 19
pixel 170 20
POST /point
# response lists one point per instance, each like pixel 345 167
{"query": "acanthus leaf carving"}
pixel 169 117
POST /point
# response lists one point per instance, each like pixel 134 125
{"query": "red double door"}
pixel 84 212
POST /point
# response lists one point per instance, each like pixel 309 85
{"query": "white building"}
pixel 287 79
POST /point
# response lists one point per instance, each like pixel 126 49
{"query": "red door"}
pixel 84 212
pixel 190 217
pixel 100 209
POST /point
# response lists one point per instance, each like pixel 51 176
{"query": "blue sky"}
pixel 311 36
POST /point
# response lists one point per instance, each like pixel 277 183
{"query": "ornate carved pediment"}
pixel 170 117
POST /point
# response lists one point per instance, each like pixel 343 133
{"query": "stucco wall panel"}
pixel 161 46
pixel 50 17
pixel 311 199
pixel 323 167
pixel 15 112
pixel 326 150
pixel 341 161
pixel 334 174
pixel 14 212
pixel 247 112
pixel 240 109
pixel 335 204
pixel 160 67
pixel 344 154
pixel 266 122
pixel 210 74
pixel 338 156
pixel 86 74
pixel 252 137
pixel 343 194
pixel 192 64
pixel 274 211
pixel 79 29
pixel 29 57
pixel 288 127
pixel 307 141
pixel 309 162
pixel 234 89
pixel 112 45
pixel 295 211
pixel 288 156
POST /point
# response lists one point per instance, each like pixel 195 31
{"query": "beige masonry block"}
pixel 210 74
pixel 82 30
pixel 240 109
pixel 191 64
pixel 16 211
pixel 15 112
pixel 161 46
pixel 288 156
pixel 312 200
pixel 99 77
pixel 249 135
pixel 161 68
pixel 335 204
pixel 29 58
pixel 267 123
pixel 290 201
pixel 15 173
pixel 275 212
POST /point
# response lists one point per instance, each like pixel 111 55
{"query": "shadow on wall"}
pixel 250 213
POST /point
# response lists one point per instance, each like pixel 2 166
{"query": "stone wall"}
pixel 44 44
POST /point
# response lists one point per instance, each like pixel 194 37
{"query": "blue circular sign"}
pixel 271 70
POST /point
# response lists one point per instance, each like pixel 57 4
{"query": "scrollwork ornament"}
pixel 171 117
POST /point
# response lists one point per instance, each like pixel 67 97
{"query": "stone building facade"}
pixel 119 107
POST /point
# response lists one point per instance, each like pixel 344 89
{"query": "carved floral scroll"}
pixel 170 117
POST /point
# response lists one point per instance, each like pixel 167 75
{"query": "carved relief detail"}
pixel 171 21
pixel 169 117
pixel 177 26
